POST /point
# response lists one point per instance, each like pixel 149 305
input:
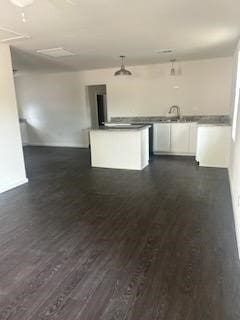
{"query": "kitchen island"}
pixel 120 147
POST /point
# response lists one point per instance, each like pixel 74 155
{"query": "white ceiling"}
pixel 98 31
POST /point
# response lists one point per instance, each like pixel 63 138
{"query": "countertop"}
pixel 213 120
pixel 121 128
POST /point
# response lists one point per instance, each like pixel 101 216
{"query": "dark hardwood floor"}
pixel 99 244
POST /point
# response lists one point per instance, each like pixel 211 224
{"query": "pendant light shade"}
pixel 122 71
pixel 173 71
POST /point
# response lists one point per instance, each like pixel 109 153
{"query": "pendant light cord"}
pixel 122 57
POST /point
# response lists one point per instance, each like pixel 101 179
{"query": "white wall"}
pixel 203 88
pixel 234 173
pixel 12 169
pixel 53 108
pixel 234 168
pixel 57 106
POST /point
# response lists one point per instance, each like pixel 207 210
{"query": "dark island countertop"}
pixel 112 127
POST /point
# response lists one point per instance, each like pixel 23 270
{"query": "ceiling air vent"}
pixel 56 52
pixel 7 35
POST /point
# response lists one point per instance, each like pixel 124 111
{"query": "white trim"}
pixel 160 153
pixel 13 185
pixel 206 165
pixel 57 145
pixel 234 214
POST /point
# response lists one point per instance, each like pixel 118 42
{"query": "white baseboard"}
pixel 13 185
pixel 160 153
pixel 206 165
pixel 237 232
pixel 57 145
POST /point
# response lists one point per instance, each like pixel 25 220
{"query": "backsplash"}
pixel 224 119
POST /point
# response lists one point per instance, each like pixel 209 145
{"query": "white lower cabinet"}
pixel 180 133
pixel 175 138
pixel 193 138
pixel 210 143
pixel 161 137
pixel 213 146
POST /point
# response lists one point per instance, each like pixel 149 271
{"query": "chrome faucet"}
pixel 177 108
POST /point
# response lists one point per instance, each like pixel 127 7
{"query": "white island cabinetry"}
pixel 120 148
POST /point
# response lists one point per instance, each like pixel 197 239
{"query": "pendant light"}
pixel 173 71
pixel 122 71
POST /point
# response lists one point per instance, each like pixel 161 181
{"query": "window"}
pixel 236 100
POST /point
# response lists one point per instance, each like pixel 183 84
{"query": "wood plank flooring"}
pixel 78 243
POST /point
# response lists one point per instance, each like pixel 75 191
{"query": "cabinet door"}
pixel 180 137
pixel 193 138
pixel 213 146
pixel 161 137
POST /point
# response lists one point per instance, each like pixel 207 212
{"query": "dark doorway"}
pixel 100 109
pixel 98 104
